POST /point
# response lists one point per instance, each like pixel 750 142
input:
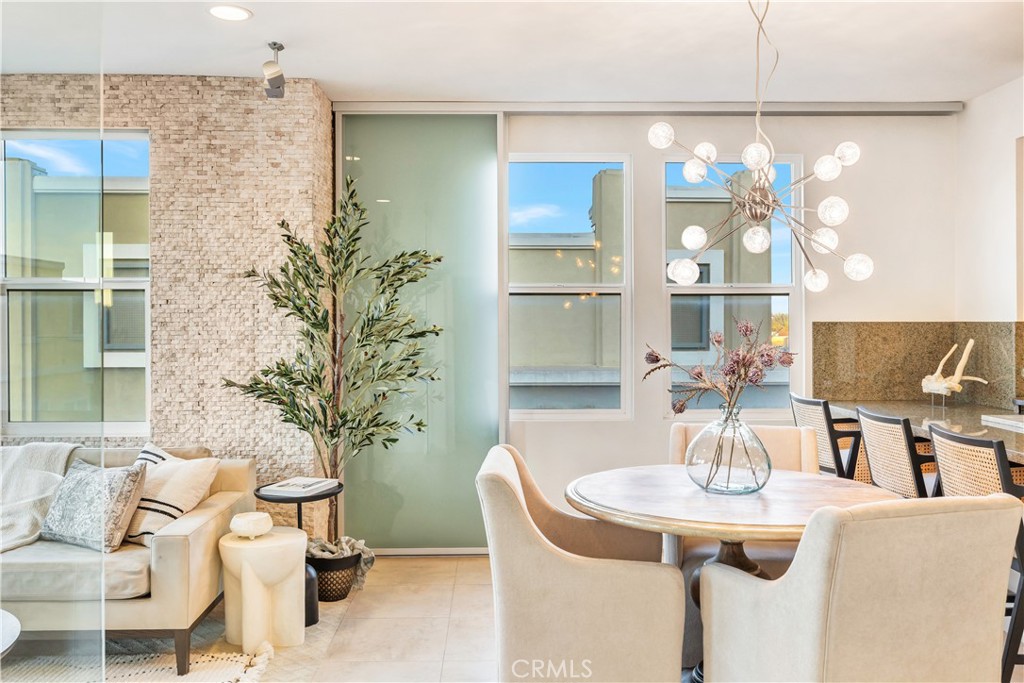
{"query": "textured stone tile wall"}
pixel 993 358
pixel 226 164
pixel 1018 360
pixel 885 361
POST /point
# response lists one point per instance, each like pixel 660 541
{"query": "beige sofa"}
pixel 151 592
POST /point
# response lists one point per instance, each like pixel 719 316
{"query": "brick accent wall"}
pixel 226 164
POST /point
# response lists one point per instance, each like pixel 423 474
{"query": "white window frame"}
pixel 98 282
pixel 794 291
pixel 623 290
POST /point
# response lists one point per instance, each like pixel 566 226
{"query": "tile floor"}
pixel 417 619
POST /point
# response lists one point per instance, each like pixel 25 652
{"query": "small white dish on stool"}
pixel 251 524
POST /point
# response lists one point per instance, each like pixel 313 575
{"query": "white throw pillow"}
pixel 173 487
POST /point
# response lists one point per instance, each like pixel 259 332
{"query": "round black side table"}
pixel 298 500
pixel 312 603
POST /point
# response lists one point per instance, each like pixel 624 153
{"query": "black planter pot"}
pixel 335 576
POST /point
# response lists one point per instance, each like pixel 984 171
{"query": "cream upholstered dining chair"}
pixel 899 461
pixel 563 616
pixel 790 448
pixel 583 535
pixel 904 590
pixel 840 448
pixel 979 467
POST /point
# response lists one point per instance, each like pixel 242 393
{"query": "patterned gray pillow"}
pixel 94 505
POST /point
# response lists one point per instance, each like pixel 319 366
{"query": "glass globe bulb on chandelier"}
pixel 694 237
pixel 757 205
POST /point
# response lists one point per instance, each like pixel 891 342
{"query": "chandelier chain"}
pixel 758 90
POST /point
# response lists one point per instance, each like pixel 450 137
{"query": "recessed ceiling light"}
pixel 230 12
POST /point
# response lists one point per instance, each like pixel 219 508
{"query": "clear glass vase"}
pixel 727 457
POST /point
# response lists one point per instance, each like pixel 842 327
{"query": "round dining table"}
pixel 664 499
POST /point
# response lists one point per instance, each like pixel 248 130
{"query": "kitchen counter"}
pixel 955 417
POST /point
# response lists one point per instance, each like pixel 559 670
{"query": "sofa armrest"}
pixel 235 474
pixel 185 569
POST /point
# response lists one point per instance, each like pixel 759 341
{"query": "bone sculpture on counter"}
pixel 937 384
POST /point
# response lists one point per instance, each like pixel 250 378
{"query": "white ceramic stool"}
pixel 264 588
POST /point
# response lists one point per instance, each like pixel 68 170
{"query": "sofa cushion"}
pixel 48 570
pixel 173 487
pixel 120 457
pixel 93 505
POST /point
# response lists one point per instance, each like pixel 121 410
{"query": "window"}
pixel 770 312
pixel 734 283
pixel 74 276
pixel 567 265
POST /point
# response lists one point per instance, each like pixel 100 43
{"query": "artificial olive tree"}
pixel 359 348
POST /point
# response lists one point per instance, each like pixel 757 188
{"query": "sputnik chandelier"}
pixel 755 206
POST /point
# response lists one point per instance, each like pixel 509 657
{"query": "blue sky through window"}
pixel 120 158
pixel 552 197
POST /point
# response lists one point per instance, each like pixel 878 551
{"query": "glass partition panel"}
pixel 55 365
pixel 430 182
pixel 51 359
pixel 695 317
pixel 52 200
pixel 564 351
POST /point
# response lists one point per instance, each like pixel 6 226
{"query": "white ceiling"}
pixel 542 51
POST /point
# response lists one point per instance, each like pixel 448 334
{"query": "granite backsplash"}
pixel 885 361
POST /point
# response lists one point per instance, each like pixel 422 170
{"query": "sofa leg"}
pixel 182 647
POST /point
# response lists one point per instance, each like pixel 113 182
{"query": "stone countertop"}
pixel 956 417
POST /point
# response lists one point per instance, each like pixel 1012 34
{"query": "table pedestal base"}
pixel 731 554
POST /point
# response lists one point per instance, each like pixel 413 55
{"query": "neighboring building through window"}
pixel 75 279
pixel 735 284
pixel 567 266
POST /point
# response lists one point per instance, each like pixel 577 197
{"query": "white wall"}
pixel 901 196
pixel 988 240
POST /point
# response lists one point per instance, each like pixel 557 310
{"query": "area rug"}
pixel 212 667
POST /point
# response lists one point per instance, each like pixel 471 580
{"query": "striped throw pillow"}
pixel 172 488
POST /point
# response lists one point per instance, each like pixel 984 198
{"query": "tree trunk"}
pixel 332 520
pixel 334 458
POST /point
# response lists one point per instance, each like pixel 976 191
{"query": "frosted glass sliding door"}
pixel 430 182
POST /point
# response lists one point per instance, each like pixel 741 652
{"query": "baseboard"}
pixel 381 552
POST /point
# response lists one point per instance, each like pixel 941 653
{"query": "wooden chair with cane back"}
pixel 840 449
pixel 971 466
pixel 898 461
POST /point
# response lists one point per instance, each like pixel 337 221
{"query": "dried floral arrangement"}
pixel 732 372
